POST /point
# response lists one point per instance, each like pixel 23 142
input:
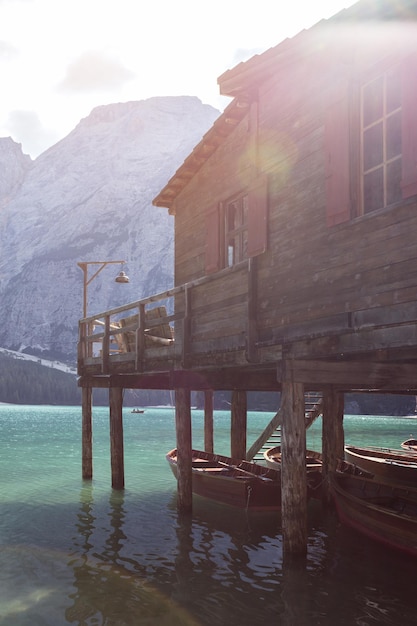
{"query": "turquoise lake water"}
pixel 76 552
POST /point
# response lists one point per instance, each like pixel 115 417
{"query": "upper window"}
pixel 381 145
pixel 371 143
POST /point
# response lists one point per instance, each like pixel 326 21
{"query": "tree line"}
pixel 29 382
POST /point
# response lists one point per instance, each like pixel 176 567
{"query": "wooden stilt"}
pixel 116 438
pixel 238 425
pixel 87 434
pixel 333 435
pixel 208 421
pixel 184 449
pixel 293 473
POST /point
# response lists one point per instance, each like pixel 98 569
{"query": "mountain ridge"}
pixel 89 197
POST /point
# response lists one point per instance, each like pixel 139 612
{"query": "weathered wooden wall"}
pixel 313 279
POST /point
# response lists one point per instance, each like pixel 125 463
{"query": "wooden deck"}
pixel 209 334
pixel 187 327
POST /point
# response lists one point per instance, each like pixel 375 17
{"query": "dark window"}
pixel 238 228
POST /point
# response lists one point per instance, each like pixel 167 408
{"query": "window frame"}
pixel 342 141
pixel 380 164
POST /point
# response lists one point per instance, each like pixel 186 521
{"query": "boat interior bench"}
pixel 204 463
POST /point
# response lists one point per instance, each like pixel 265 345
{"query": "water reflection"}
pixel 238 562
pixel 106 592
pixel 226 561
pixel 145 564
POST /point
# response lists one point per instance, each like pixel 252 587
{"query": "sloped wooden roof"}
pixel 221 128
pixel 242 81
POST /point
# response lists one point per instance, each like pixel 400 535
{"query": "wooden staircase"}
pixel 271 436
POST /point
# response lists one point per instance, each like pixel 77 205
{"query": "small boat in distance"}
pixel 385 512
pixel 233 482
pixel 137 411
pixel 394 466
pixel 410 444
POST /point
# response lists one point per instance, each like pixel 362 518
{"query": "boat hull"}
pixel 382 511
pixel 233 482
pixel 394 466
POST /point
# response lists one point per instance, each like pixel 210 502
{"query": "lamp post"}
pixel 120 278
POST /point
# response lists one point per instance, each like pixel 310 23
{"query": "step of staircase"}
pixel 311 401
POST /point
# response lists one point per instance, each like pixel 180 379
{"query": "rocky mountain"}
pixel 13 167
pixel 89 198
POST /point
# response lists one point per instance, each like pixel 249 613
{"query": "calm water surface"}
pixel 74 552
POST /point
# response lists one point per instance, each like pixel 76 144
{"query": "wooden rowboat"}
pixel 396 466
pixel 231 481
pixel 385 512
pixel 273 459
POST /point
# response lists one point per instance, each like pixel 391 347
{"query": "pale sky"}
pixel 61 58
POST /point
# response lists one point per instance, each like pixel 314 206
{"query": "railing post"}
pixel 106 346
pixel 89 327
pixel 140 338
pixel 81 352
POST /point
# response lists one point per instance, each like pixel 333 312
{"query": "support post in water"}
pixel 332 436
pixel 116 438
pixel 208 421
pixel 293 472
pixel 87 439
pixel 238 424
pixel 184 449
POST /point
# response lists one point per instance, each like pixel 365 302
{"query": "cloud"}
pixel 26 128
pixel 7 51
pixel 93 72
pixel 243 54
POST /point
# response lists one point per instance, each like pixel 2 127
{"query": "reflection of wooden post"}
pixel 87 439
pixel 208 421
pixel 116 438
pixel 238 424
pixel 333 435
pixel 293 473
pixel 184 449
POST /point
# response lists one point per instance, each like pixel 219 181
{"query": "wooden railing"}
pixel 214 314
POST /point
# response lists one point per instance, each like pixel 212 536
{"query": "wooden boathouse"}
pixel 295 250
